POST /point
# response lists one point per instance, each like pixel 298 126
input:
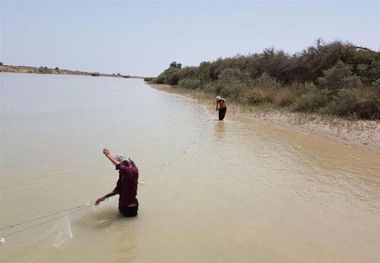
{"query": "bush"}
pixel 362 70
pixel 148 79
pixel 333 77
pixel 376 85
pixel 257 96
pixel 189 83
pixel 312 100
pixel 374 72
pixel 210 88
pixel 266 81
pixel 364 103
pixel 285 97
pixel 43 70
pixel 231 83
pixel 353 82
pixel 172 76
pixel 267 90
pixel 328 71
pixel 233 90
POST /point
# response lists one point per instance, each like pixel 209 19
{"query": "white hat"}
pixel 218 98
pixel 121 157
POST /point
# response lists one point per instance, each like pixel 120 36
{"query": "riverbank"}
pixel 363 133
pixel 57 70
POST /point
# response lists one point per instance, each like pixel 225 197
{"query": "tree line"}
pixel 330 78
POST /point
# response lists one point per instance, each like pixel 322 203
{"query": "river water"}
pixel 210 191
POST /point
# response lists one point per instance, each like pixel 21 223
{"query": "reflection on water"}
pixel 219 128
pixel 213 191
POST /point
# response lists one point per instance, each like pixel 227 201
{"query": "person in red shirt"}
pixel 126 186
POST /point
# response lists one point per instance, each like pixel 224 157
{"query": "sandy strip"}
pixel 359 132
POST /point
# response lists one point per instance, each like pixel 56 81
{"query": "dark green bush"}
pixel 43 70
pixel 189 83
pixel 159 80
pixel 148 79
pixel 376 85
pixel 357 103
pixel 352 82
pixel 312 100
pixel 333 78
pixel 231 82
pixel 362 70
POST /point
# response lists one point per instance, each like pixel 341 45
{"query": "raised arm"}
pixel 110 156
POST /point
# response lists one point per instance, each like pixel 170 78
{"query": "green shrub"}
pixel 374 72
pixel 148 79
pixel 312 100
pixel 232 90
pixel 352 82
pixel 257 96
pixel 172 76
pixel 333 77
pixel 189 83
pixel 266 81
pixel 285 97
pixel 362 70
pixel 231 83
pixel 43 70
pixel 376 85
pixel 344 103
pixel 210 88
pixel 357 103
pixel 159 80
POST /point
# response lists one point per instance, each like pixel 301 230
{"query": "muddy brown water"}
pixel 210 191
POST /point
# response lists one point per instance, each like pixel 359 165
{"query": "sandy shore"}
pixel 359 132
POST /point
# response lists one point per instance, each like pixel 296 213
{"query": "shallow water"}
pixel 210 191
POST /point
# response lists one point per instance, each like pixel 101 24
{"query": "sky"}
pixel 143 37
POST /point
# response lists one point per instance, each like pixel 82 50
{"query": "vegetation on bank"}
pixel 334 78
pixel 57 70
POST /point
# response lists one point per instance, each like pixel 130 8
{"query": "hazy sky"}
pixel 143 37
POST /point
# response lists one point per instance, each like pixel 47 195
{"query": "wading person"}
pixel 126 186
pixel 221 107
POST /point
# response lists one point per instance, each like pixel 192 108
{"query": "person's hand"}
pixel 99 200
pixel 106 151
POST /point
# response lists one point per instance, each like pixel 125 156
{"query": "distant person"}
pixel 126 186
pixel 221 107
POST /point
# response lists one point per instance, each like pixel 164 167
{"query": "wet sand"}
pixel 364 133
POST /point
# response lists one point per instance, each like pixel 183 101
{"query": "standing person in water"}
pixel 126 186
pixel 221 106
